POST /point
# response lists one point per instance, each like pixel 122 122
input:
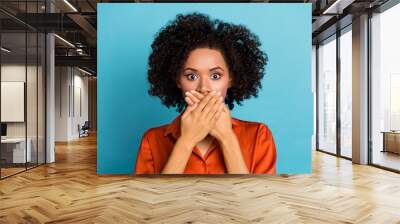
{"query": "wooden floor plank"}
pixel 70 191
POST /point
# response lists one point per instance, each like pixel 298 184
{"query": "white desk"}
pixel 18 149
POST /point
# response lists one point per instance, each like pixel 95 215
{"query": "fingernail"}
pixel 219 93
pixel 186 93
pixel 213 92
pixel 192 91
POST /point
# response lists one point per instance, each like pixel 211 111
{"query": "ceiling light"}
pixel 70 5
pixel 84 71
pixel 329 9
pixel 64 40
pixel 5 50
pixel 338 6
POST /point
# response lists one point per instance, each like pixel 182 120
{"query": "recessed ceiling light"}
pixel 337 7
pixel 64 40
pixel 70 5
pixel 5 50
pixel 84 71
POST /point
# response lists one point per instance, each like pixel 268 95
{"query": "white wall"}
pixel 10 73
pixel 62 81
pixel 15 72
pixel 13 101
pixel 79 117
pixel 70 84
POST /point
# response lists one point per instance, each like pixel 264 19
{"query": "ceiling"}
pixel 76 22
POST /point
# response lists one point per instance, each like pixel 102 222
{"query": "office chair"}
pixel 84 130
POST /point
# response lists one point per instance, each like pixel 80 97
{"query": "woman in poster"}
pixel 201 67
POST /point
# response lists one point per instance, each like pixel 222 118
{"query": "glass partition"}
pixel 14 153
pixel 327 95
pixel 22 78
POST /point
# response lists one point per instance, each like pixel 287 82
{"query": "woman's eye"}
pixel 191 76
pixel 216 76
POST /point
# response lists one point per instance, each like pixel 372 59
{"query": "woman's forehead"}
pixel 205 59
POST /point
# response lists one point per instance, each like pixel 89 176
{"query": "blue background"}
pixel 126 111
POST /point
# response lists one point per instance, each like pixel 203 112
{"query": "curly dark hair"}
pixel 173 43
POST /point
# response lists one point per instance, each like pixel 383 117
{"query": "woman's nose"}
pixel 204 87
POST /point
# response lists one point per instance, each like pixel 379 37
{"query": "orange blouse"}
pixel 255 139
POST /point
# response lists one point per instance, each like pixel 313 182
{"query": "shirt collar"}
pixel 174 128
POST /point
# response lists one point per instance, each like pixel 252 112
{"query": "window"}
pixel 346 92
pixel 327 95
pixel 385 88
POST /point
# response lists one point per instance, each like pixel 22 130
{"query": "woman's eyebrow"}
pixel 188 68
pixel 217 68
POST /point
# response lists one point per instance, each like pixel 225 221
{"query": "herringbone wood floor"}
pixel 70 191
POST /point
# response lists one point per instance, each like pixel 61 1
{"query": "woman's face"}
pixel 204 71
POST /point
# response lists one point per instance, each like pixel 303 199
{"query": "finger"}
pixel 221 107
pixel 209 109
pixel 197 94
pixel 189 101
pixel 211 103
pixel 192 97
pixel 204 102
pixel 214 105
pixel 217 115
